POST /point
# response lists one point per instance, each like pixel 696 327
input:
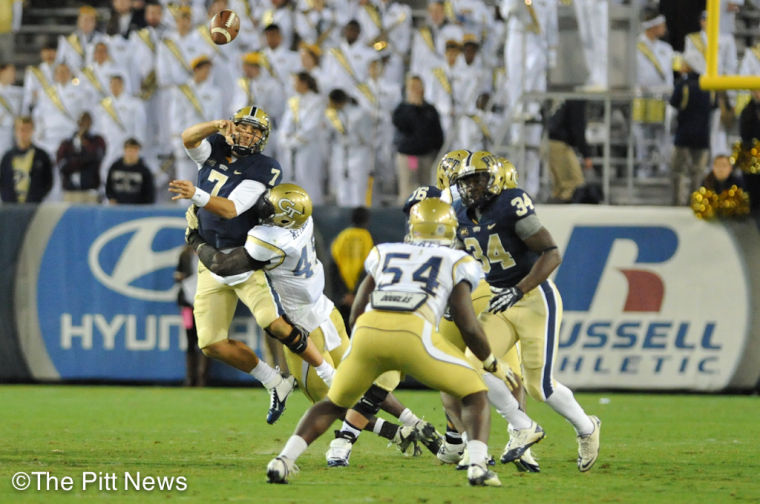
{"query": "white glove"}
pixel 504 298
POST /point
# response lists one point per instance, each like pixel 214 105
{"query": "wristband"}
pixel 200 197
pixel 489 363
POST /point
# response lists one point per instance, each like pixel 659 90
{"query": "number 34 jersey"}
pixel 496 237
pixel 294 270
pixel 426 272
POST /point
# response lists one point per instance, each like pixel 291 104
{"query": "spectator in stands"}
pixel 654 83
pixel 26 173
pixel 692 139
pixel 348 63
pixel 301 136
pixel 418 138
pixel 749 120
pixel 723 175
pixel 311 57
pixel 10 104
pixel 593 29
pixel 37 78
pixel 76 49
pixel 279 60
pixel 196 364
pixel 10 22
pixel 349 129
pixel 476 129
pixel 123 19
pixel 79 159
pixel 129 180
pixel 349 250
pixel 567 138
pixel 749 129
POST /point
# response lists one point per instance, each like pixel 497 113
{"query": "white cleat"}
pixel 527 463
pixel 279 469
pixel 450 453
pixel 520 440
pixel 588 446
pixel 339 451
pixel 277 397
pixel 480 475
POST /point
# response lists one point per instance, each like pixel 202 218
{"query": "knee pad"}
pixel 369 404
pixel 296 341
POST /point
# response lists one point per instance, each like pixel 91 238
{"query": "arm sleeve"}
pixel 201 153
pixel 246 194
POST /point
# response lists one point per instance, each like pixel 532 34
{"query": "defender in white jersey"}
pixel 397 307
pixel 284 248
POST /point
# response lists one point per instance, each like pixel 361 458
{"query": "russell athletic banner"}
pixel 654 299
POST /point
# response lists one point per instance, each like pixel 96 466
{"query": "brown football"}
pixel 224 27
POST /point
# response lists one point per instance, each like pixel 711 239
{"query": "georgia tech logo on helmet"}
pixel 289 208
pixel 136 259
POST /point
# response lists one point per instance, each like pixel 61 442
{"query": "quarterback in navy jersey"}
pixel 499 226
pixel 233 176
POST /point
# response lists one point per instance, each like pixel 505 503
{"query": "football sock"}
pixel 452 435
pixel 347 427
pixel 266 375
pixel 378 425
pixel 295 446
pixel 505 403
pixel 326 372
pixel 408 418
pixel 388 430
pixel 478 451
pixel 563 402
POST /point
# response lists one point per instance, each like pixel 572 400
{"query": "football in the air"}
pixel 224 27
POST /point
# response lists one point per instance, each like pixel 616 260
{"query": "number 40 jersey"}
pixel 426 272
pixel 296 274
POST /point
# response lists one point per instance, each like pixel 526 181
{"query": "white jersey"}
pixel 427 273
pixel 294 270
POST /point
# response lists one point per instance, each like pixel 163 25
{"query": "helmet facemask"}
pixel 475 189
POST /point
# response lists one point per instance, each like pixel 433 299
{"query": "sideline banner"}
pixel 654 299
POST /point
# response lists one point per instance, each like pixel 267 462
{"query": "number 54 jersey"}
pixel 495 238
pixel 418 277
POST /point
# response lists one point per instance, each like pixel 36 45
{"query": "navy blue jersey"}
pixel 492 239
pixel 219 177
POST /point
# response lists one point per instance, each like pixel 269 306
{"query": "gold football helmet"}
pixel 448 166
pixel 257 118
pixel 432 220
pixel 479 178
pixel 508 173
pixel 292 206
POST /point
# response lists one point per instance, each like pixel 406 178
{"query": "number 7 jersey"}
pixel 496 238
pixel 428 270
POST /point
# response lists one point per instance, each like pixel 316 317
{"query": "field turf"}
pixel 655 448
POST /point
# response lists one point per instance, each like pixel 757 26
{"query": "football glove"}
pixel 502 372
pixel 191 216
pixel 504 298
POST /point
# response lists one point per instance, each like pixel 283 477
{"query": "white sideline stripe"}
pixel 437 353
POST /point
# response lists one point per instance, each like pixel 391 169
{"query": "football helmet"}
pixel 292 206
pixel 432 220
pixel 257 118
pixel 479 179
pixel 448 166
pixel 508 173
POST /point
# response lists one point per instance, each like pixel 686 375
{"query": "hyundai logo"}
pixel 137 258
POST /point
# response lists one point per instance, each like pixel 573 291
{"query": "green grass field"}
pixel 655 448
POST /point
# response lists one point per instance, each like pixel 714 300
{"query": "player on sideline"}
pixel 233 174
pixel 500 228
pixel 404 294
pixel 282 245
